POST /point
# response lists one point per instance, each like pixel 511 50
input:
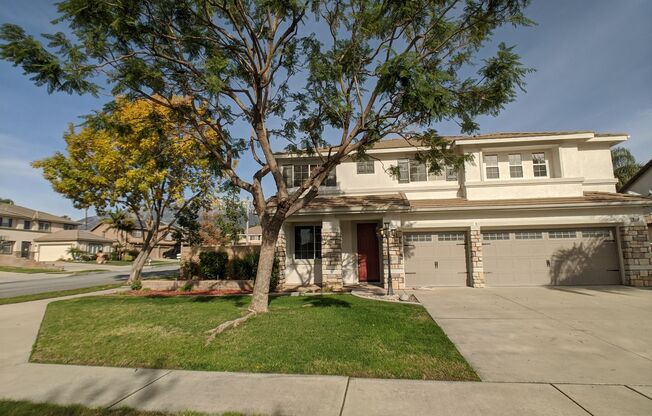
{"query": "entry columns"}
pixel 476 269
pixel 331 255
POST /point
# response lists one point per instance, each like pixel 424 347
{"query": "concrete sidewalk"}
pixel 275 394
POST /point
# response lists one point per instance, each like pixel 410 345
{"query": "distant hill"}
pixel 92 222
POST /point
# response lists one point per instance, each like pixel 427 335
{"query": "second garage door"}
pixel 550 257
pixel 435 259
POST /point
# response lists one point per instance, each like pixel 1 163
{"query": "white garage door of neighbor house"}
pixel 52 252
pixel 435 259
pixel 583 256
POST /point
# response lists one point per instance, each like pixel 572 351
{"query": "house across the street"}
pixel 530 209
pixel 168 247
pixel 20 227
pixel 57 246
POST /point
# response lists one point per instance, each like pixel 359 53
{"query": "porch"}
pixel 339 253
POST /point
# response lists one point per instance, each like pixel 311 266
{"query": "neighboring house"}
pixel 166 248
pixel 57 246
pixel 21 226
pixel 530 209
pixel 251 237
pixel 641 184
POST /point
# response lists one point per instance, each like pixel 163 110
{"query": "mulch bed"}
pixel 172 293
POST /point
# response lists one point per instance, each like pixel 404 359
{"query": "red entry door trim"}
pixel 368 258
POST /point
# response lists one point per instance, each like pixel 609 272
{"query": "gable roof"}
pixel 72 235
pixel 31 214
pixel 636 177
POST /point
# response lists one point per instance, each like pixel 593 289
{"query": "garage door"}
pixel 52 252
pixel 435 259
pixel 550 257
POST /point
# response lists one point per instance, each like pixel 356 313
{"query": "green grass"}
pixel 338 335
pixel 56 294
pixel 23 408
pixel 30 270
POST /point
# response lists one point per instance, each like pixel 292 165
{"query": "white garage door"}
pixel 435 259
pixel 52 252
pixel 550 257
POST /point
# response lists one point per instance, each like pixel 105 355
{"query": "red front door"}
pixel 368 260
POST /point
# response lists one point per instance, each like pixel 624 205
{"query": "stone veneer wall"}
pixel 281 255
pixel 637 257
pixel 476 270
pixel 331 257
pixel 396 259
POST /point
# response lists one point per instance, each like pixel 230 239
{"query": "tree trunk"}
pixel 260 296
pixel 138 264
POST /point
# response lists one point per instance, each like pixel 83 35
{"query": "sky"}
pixel 593 62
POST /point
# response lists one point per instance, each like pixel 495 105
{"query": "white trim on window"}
pixel 491 169
pixel 515 165
pixel 539 165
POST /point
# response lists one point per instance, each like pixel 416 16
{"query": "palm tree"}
pixel 120 221
pixel 625 165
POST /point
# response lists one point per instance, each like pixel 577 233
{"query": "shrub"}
pixel 212 264
pixel 187 287
pixel 188 269
pixel 136 285
pixel 246 267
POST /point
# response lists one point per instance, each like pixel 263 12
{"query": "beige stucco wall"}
pixel 643 185
pixel 18 234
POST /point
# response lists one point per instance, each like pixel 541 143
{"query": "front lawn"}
pixel 57 294
pixel 23 408
pixel 28 270
pixel 338 335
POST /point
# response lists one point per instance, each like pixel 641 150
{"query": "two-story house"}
pixel 168 247
pixel 21 226
pixel 529 209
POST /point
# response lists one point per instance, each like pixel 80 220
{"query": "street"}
pixel 17 284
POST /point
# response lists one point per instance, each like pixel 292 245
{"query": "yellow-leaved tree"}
pixel 134 155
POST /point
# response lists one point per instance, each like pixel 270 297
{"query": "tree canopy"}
pixel 625 165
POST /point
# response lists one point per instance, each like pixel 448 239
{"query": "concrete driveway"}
pixel 588 335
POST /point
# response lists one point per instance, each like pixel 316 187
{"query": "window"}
pixel 294 175
pixel 137 233
pixel 6 247
pixel 528 235
pixel 256 237
pixel 44 226
pixel 307 242
pixel 491 166
pixel 418 238
pixel 68 226
pixel 365 167
pixel 418 171
pixel 515 166
pixel 301 173
pixel 596 233
pixel 451 174
pixel 6 222
pixel 169 237
pixel 450 237
pixel 495 236
pixel 404 171
pixel 287 176
pixel 539 166
pixel 27 225
pixel 94 248
pixel 562 234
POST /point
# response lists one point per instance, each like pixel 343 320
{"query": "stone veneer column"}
pixel 331 255
pixel 395 256
pixel 637 258
pixel 476 269
pixel 281 255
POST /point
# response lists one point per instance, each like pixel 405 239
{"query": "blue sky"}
pixel 593 64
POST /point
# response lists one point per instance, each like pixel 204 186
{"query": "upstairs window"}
pixel 447 174
pixel 6 247
pixel 6 222
pixel 491 166
pixel 539 166
pixel 44 226
pixel 137 233
pixel 404 171
pixel 295 175
pixel 451 174
pixel 365 167
pixel 27 225
pixel 515 166
pixel 418 171
pixel 307 242
pixel 69 226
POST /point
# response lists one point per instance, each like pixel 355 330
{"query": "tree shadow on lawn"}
pixel 324 302
pixel 238 301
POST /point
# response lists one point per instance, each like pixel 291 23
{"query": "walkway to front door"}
pixel 368 256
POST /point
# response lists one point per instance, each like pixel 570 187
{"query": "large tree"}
pixel 372 69
pixel 135 157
